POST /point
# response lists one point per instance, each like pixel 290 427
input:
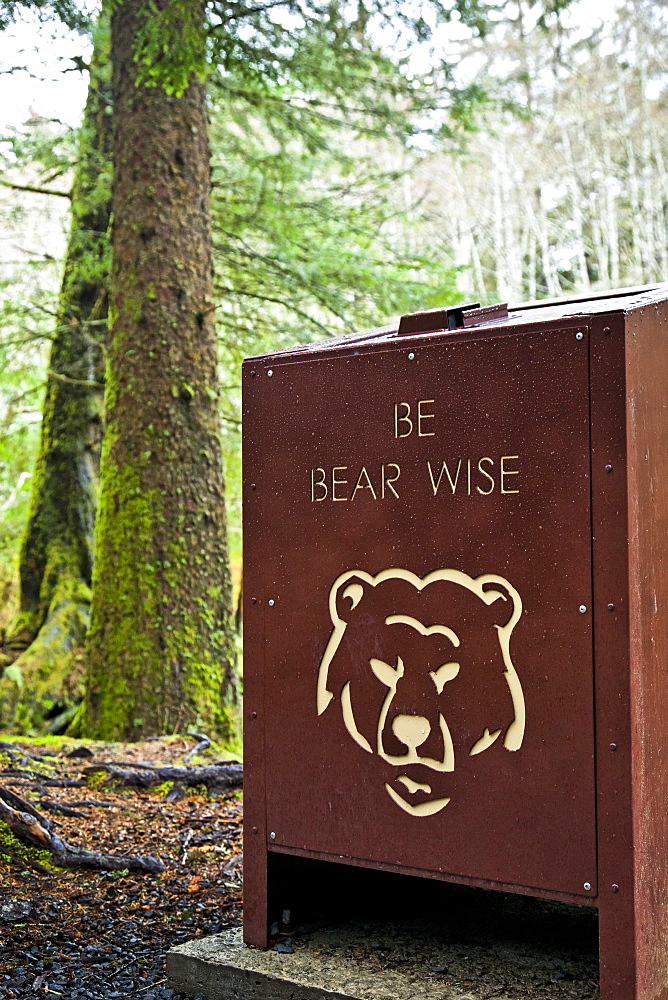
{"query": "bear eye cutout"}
pixel 424 629
pixel 446 672
pixel 354 592
pixel 385 673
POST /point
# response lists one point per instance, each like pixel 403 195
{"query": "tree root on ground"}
pixel 30 827
pixel 212 776
pixel 13 751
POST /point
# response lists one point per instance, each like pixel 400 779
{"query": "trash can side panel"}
pixel 647 442
pixel 255 519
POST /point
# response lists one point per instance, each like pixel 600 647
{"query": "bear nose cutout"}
pixel 411 730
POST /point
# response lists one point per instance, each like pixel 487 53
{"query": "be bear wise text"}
pixel 455 475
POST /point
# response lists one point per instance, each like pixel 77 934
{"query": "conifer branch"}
pixel 86 383
pixel 34 189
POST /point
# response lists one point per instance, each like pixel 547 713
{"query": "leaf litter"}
pixel 84 935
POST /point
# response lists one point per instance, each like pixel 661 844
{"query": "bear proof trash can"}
pixel 456 610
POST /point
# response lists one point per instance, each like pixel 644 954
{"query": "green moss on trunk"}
pixel 160 648
pixel 57 550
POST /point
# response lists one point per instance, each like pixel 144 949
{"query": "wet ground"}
pixel 86 935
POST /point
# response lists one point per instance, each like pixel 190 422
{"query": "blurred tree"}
pixel 68 11
pixel 57 548
pixel 160 650
pixel 574 196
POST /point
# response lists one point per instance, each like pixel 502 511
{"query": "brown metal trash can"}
pixel 456 620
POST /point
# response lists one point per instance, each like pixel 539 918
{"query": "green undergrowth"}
pixel 163 790
pixel 216 752
pixel 48 742
pixel 13 851
pixel 96 779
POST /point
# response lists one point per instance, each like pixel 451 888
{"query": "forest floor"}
pixel 84 935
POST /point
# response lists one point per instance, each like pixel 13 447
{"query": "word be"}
pixel 337 484
pixel 405 424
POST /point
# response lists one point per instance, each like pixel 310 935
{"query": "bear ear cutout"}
pixel 346 593
pixel 504 601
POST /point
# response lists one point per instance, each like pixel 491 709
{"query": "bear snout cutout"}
pixel 411 730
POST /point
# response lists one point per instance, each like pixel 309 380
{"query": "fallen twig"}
pixel 186 840
pixel 149 987
pixel 122 968
pixel 95 802
pixel 203 744
pixel 63 783
pixel 142 765
pixel 18 777
pixel 58 807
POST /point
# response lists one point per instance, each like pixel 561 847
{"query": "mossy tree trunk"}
pixel 160 651
pixel 57 549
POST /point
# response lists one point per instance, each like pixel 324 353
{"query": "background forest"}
pixel 519 153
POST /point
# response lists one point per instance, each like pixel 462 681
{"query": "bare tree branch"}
pixel 33 189
pixel 74 381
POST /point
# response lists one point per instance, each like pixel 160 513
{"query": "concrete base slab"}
pixel 356 961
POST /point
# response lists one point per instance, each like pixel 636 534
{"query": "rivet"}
pixel 613 747
pixel 254 829
pixel 583 609
pixel 270 373
pixel 270 603
pixel 608 468
pixel 253 374
pixel 253 486
pixel 606 329
pixel 611 607
pixel 579 335
pixel 253 600
pixel 253 715
pixel 615 888
pixel 587 886
pixel 411 356
pixel 272 835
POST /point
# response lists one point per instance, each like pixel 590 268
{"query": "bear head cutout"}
pixel 422 672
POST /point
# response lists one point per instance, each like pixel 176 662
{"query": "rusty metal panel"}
pixel 647 490
pixel 611 654
pixel 423 517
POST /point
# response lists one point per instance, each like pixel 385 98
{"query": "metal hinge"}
pixel 452 318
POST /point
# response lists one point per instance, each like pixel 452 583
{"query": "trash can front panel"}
pixel 426 539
